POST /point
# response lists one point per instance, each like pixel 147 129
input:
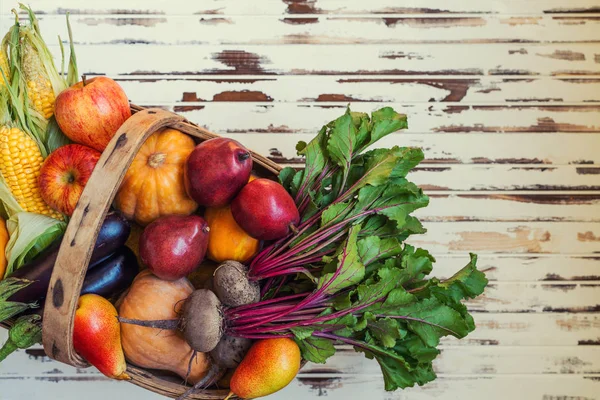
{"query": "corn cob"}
pixel 3 68
pixel 43 81
pixel 20 162
pixel 39 87
pixel 4 64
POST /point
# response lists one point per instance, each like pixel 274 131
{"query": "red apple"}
pixel 90 112
pixel 64 174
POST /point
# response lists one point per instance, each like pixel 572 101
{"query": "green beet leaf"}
pixel 316 350
pixel 350 270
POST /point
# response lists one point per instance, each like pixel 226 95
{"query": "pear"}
pixel 269 366
pixel 97 336
pixel 265 210
pixel 216 171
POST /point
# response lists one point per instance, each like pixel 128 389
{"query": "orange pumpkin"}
pixel 154 184
pixel 226 240
pixel 150 298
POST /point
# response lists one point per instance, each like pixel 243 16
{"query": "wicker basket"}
pixel 82 231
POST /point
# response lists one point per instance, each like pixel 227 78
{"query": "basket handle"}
pixel 82 231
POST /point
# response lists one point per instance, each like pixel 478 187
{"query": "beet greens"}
pixel 364 286
pixel 344 185
pixel 383 306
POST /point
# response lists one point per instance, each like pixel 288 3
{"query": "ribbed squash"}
pixel 154 184
pixel 150 298
pixel 227 241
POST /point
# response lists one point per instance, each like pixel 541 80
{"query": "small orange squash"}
pixel 226 240
pixel 3 242
pixel 154 184
pixel 150 298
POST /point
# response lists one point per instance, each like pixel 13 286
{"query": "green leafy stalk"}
pixel 8 287
pixel 73 73
pixel 30 233
pixel 26 332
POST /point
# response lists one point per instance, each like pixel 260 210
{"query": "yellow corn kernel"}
pixel 41 97
pixel 39 88
pixel 4 68
pixel 20 165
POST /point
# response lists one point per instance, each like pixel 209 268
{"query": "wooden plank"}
pixel 489 360
pixel 422 118
pixel 333 387
pixel 527 329
pixel 450 148
pixel 454 360
pixel 511 207
pixel 506 177
pixel 276 7
pixel 285 89
pixel 509 237
pixel 550 268
pixel 219 30
pixel 536 297
pixel 515 59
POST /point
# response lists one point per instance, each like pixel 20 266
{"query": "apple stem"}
pixel 84 80
pixel 294 229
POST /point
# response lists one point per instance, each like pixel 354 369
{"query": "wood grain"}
pixel 423 118
pixel 453 361
pixel 450 148
pixel 514 60
pixel 512 207
pixel 511 238
pixel 323 89
pixel 277 7
pixel 267 30
pixel 334 387
pixel 549 268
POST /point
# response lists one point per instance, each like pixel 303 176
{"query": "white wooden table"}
pixel 503 95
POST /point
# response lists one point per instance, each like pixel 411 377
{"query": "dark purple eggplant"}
pixel 113 275
pixel 109 278
pixel 113 235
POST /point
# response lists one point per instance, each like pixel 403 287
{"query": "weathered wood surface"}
pixel 450 148
pixel 330 29
pixel 302 88
pixel 502 95
pixel 503 59
pixel 336 7
pixel 336 387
